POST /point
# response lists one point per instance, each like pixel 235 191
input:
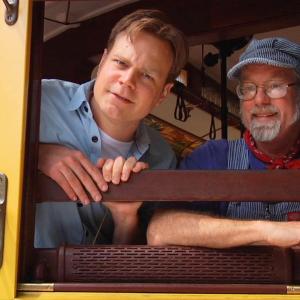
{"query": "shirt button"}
pixel 95 139
pixel 85 108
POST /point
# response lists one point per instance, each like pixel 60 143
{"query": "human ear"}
pixel 165 92
pixel 103 57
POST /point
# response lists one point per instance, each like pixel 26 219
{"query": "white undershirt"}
pixel 111 148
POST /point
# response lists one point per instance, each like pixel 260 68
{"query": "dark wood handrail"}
pixel 171 185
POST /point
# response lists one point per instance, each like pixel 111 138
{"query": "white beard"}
pixel 265 132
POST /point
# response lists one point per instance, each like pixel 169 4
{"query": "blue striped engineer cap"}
pixel 276 51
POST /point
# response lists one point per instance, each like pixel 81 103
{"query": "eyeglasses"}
pixel 274 90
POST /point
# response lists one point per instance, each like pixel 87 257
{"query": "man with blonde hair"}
pixel 89 128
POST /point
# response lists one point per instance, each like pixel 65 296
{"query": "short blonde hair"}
pixel 154 22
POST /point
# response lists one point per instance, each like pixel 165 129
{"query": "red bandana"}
pixel 285 162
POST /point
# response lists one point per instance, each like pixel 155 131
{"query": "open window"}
pixel 141 268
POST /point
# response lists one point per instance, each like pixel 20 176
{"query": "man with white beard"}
pixel 269 91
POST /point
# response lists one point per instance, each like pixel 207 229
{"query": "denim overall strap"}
pixel 237 155
pixel 238 159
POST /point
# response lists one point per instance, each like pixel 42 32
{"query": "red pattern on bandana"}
pixel 287 161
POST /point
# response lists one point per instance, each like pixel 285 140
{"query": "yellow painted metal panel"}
pixel 14 66
pixel 141 296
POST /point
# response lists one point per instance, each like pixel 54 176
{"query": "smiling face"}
pixel 268 118
pixel 131 79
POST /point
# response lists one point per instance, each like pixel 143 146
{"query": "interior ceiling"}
pixel 79 11
pixel 202 21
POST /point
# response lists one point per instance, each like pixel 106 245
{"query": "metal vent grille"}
pixel 173 264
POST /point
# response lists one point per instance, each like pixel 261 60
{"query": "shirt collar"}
pixel 141 142
pixel 81 95
pixel 142 139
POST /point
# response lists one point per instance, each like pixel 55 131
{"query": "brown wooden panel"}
pixel 172 264
pixel 246 29
pixel 166 185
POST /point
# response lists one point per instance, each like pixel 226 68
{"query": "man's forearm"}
pixel 188 228
pixel 126 230
pixel 126 221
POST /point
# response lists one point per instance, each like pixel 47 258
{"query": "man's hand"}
pixel 73 171
pixel 119 169
pixel 78 176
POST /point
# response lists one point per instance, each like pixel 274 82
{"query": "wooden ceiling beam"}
pixel 246 29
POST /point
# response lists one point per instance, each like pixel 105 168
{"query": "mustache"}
pixel 265 109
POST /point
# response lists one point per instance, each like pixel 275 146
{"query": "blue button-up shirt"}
pixel 67 119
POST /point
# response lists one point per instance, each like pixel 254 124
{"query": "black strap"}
pixel 181 112
pixel 212 128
